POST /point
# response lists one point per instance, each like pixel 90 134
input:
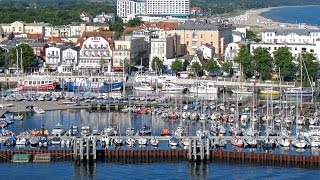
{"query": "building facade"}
pixel 131 7
pixel 290 36
pixel 53 57
pixel 22 27
pixel 69 61
pixel 180 8
pixel 95 55
pixel 196 33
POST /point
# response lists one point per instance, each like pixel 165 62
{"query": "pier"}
pixel 155 155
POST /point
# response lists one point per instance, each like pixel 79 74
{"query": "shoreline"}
pixel 254 18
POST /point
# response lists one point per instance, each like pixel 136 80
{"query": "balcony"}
pixel 52 56
pixel 69 57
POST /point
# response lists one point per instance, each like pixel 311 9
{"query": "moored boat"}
pixel 36 82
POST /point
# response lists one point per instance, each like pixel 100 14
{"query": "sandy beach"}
pixel 254 18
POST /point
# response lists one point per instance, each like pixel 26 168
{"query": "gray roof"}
pixel 289 31
pixel 201 25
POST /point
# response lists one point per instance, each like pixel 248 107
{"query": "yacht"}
pixel 237 141
pixel 38 110
pixel 251 142
pixel 298 92
pixel 56 141
pixel 131 141
pixel 284 142
pixel 169 87
pixel 21 141
pixel 299 142
pixel 58 130
pixel 242 90
pixel 154 78
pixel 270 91
pixel 34 141
pixel 130 131
pixel 204 88
pixel 143 87
pixel 173 141
pixel 268 143
pixel 43 141
pixel 145 130
pixel 85 131
pixel 105 141
pixel 142 141
pixel 154 142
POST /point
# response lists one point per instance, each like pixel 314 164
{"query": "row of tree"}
pixel 261 63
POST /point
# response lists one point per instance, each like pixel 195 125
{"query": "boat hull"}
pixel 104 88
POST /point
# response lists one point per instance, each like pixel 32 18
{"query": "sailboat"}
pixel 153 141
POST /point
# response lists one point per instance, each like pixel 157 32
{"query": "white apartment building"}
pixel 95 55
pixel 70 57
pixel 180 8
pixel 295 48
pixel 131 7
pixel 53 57
pixel 131 48
pixel 295 36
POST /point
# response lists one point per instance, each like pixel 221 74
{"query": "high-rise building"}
pixel 176 8
pixel 131 7
pixel 180 8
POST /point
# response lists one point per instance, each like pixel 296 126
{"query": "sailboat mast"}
pixel 21 60
pixel 301 83
pixel 17 64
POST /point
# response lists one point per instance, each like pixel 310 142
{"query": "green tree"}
pixel 283 61
pixel 177 65
pixel 252 36
pixel 226 67
pixel 156 63
pixel 262 62
pixel 196 67
pixel 211 66
pixel 117 26
pixel 27 56
pixel 310 66
pixel 102 63
pixel 134 22
pixel 244 59
pixel 126 63
pixel 2 60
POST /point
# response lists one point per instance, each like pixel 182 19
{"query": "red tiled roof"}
pixel 164 25
pixel 35 36
pixel 54 39
pixel 108 36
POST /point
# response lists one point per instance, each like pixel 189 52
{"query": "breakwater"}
pixel 155 155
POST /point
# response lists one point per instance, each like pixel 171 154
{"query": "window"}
pixel 312 50
pixel 295 48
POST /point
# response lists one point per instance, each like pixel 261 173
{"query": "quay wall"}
pixel 155 155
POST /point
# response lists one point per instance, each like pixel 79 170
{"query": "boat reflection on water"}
pixel 198 170
pixel 84 170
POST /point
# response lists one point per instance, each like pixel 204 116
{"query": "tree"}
pixel 244 59
pixel 252 36
pixel 156 63
pixel 226 67
pixel 211 66
pixel 117 26
pixel 283 61
pixel 126 63
pixel 196 67
pixel 262 62
pixel 102 62
pixel 177 65
pixel 2 60
pixel 27 56
pixel 134 22
pixel 310 66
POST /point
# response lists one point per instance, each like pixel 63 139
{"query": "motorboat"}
pixel 251 142
pixel 185 141
pixel 73 130
pixel 314 141
pixel 171 88
pixel 130 131
pixel 242 90
pixel 56 141
pixel 131 141
pixel 105 141
pixel 154 78
pixel 10 142
pixel 117 141
pixel 145 130
pixel 284 142
pixel 34 141
pixel 142 141
pixel 268 143
pixel 143 87
pixel 298 91
pixel 299 142
pixel 38 110
pixel 165 132
pixel 36 82
pixel 204 88
pixel 270 91
pixel 95 132
pixel 237 141
pixel 58 130
pixel 111 130
pixel 154 142
pixel 21 141
pixel 43 141
pixel 85 131
pixel 66 142
pixel 180 131
pixel 173 141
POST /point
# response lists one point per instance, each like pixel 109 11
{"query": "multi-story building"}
pixel 131 48
pixel 131 7
pixel 165 47
pixel 196 33
pixel 69 61
pixel 294 48
pixel 53 57
pixel 22 27
pixel 96 52
pixel 104 18
pixel 295 36
pixel 180 8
